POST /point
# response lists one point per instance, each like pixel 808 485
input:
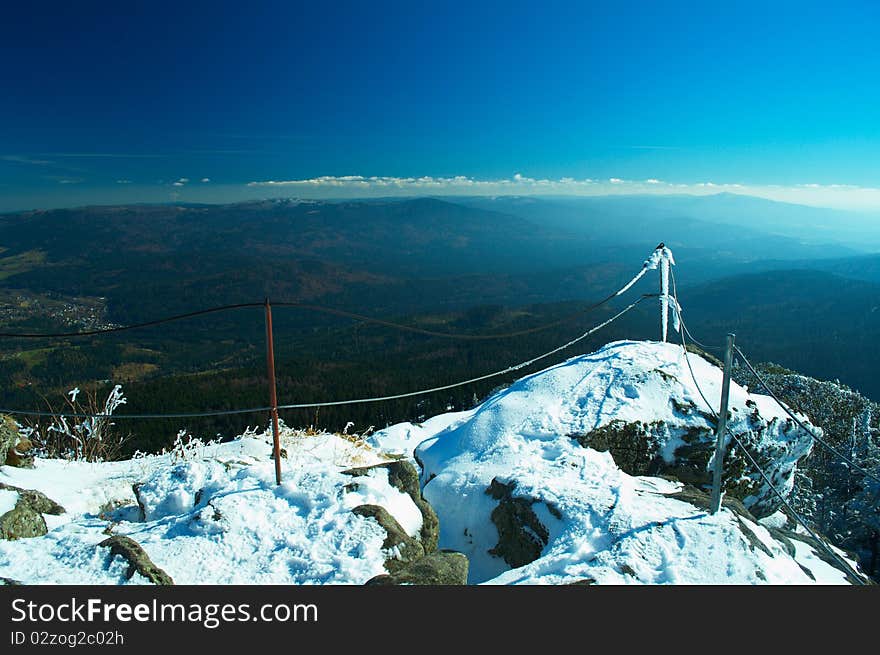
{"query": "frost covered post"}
pixel 665 260
pixel 661 258
pixel 715 501
pixel 273 394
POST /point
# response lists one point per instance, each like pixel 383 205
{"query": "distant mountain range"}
pixel 369 252
pixel 685 214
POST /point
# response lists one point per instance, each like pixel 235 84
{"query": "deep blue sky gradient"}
pixel 748 92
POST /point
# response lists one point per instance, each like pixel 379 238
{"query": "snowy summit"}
pixel 591 471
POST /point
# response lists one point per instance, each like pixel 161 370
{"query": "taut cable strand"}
pixel 858 579
pixel 681 320
pixel 509 369
pixel 333 312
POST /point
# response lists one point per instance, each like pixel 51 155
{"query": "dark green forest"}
pixel 469 267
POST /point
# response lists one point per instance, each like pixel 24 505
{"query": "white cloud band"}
pixel 825 195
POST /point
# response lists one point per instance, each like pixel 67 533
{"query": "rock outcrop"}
pixel 539 466
pixel 402 548
pixel 521 535
pixel 13 449
pixel 22 522
pixel 36 500
pixel 412 560
pixel 25 519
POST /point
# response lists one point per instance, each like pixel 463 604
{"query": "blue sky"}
pixel 106 103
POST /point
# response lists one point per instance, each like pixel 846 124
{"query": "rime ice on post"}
pixel 666 261
pixel 664 295
pixel 662 258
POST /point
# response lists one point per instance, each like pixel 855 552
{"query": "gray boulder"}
pixel 26 520
pixel 22 522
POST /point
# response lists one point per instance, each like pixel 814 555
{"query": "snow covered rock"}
pixel 37 500
pixel 403 476
pixel 402 549
pixel 637 400
pixel 530 489
pixel 21 512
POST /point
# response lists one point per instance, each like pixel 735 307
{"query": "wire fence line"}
pixel 319 309
pixel 340 313
pixel 509 369
pixel 421 392
pixel 827 548
pixel 409 328
pixel 842 457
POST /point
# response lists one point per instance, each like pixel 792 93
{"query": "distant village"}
pixel 82 313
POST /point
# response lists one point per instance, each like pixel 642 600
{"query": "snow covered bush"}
pixel 82 430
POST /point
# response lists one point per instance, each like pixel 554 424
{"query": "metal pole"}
pixel 664 294
pixel 660 301
pixel 273 395
pixel 715 502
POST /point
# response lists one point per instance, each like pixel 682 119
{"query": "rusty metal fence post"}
pixel 273 395
pixel 721 436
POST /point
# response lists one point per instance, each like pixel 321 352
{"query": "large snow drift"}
pixel 523 459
